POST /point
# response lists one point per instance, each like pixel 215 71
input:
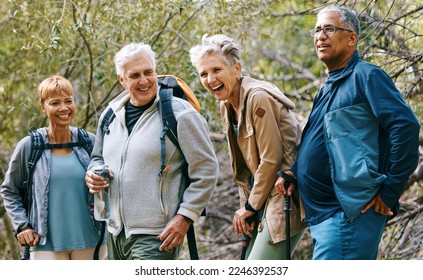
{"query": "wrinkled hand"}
pixel 240 223
pixel 95 182
pixel 174 233
pixel 378 206
pixel 280 185
pixel 28 236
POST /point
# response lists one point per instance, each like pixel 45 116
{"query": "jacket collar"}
pixel 350 66
pixel 118 103
pixel 248 85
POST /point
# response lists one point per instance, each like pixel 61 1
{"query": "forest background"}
pixel 78 39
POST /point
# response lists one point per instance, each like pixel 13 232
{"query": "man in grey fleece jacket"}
pixel 149 215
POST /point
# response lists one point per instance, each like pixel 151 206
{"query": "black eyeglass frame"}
pixel 317 30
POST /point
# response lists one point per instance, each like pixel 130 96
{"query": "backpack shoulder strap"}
pixel 167 115
pixel 85 140
pixel 170 129
pixel 107 120
pixel 37 147
pixel 169 124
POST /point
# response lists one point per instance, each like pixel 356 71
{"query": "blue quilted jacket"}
pixel 371 136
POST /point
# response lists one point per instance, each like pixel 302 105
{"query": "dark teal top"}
pixel 316 183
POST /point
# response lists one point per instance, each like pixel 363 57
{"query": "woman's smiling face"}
pixel 221 80
pixel 60 109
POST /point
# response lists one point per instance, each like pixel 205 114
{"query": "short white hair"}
pixel 221 45
pixel 131 50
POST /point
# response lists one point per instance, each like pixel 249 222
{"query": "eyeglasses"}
pixel 328 30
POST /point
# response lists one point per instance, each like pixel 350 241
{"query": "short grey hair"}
pixel 221 45
pixel 130 51
pixel 347 17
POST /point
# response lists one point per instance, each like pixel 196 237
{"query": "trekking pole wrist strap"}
pixel 188 219
pixel 249 207
pixel 288 178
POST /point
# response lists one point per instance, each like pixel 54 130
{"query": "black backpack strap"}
pixel 85 140
pixel 169 123
pixel 168 117
pixel 192 244
pixel 107 120
pixel 170 129
pixel 62 145
pixel 100 241
pixel 37 147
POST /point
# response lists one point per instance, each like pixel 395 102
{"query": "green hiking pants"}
pixel 259 247
pixel 138 247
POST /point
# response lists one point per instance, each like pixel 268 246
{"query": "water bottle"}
pixel 101 205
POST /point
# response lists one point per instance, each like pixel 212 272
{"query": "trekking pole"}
pixel 246 240
pixel 287 208
pixel 26 253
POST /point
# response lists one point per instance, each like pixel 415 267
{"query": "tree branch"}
pixel 90 56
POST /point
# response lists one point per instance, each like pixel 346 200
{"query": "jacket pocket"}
pixel 275 216
pixel 352 143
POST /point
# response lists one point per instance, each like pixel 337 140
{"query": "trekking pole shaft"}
pixel 287 209
pixel 245 241
pixel 26 253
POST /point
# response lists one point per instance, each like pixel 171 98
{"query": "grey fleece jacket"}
pixel 141 201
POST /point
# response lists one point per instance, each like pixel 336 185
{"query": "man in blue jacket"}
pixel 358 149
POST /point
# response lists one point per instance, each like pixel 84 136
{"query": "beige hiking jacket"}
pixel 268 140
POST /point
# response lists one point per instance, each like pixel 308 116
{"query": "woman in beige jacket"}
pixel 263 137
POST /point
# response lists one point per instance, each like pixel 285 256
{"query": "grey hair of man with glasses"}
pixel 347 17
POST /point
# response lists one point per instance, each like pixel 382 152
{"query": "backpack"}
pixel 169 86
pixel 37 147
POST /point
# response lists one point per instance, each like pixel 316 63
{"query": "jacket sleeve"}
pixel 203 168
pixel 97 153
pixel 402 128
pixel 13 180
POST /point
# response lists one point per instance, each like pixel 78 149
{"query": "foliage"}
pixel 78 39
